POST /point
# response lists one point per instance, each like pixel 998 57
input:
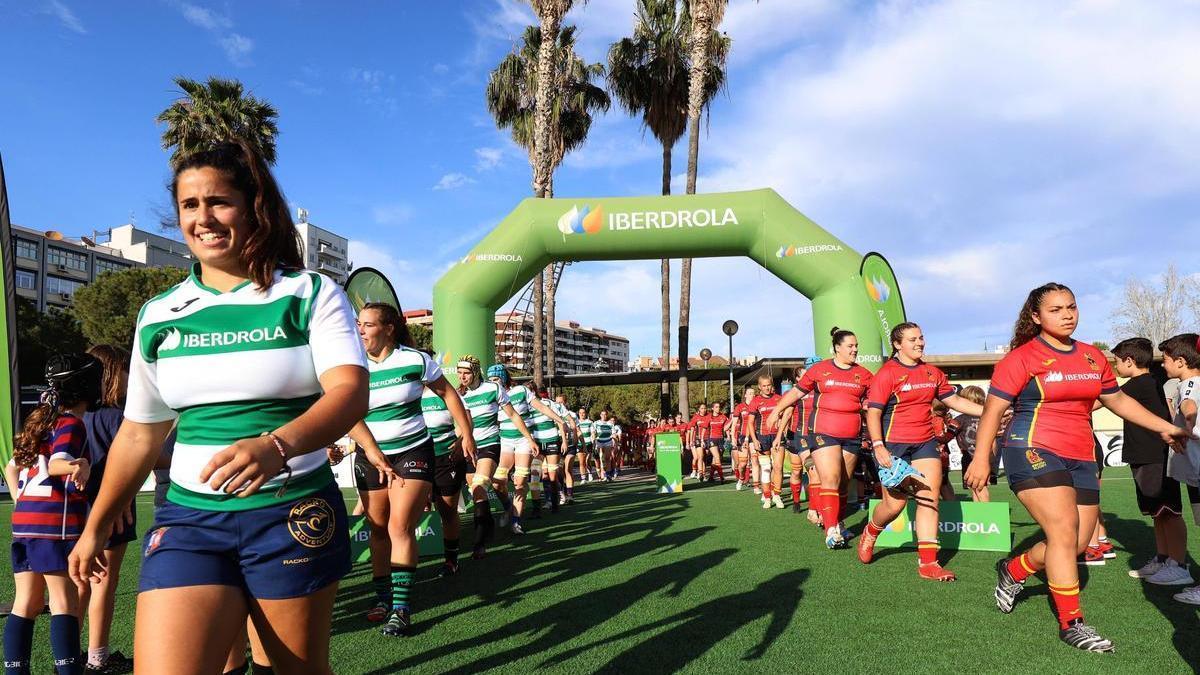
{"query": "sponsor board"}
pixel 589 220
pixel 668 453
pixel 962 526
pixel 806 249
pixel 429 537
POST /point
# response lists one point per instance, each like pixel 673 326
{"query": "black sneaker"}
pixel 797 508
pixel 1082 636
pixel 117 664
pixel 398 624
pixel 448 569
pixel 1007 588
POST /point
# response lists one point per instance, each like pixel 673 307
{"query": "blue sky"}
pixel 983 147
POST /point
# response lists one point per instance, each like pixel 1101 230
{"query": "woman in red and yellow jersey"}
pixel 900 422
pixel 1051 381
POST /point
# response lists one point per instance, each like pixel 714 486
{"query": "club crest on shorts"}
pixel 154 541
pixel 1035 460
pixel 311 522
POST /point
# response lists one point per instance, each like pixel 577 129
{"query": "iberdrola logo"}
pixel 172 340
pixel 806 249
pixel 580 221
pixel 878 289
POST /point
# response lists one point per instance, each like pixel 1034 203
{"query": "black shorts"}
pixel 550 447
pixel 572 449
pixel 414 464
pixel 1036 468
pixel 1157 493
pixel 850 445
pixel 765 441
pixel 491 452
pixel 449 475
pixel 125 536
pixel 966 461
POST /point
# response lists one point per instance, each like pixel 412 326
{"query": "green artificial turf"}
pixel 629 581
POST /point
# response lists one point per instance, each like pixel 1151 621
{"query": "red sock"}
pixel 795 492
pixel 1066 603
pixel 841 505
pixel 1021 567
pixel 927 551
pixel 720 472
pixel 873 529
pixel 828 506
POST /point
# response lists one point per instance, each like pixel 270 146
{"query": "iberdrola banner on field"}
pixel 366 284
pixel 668 453
pixel 883 291
pixel 429 537
pixel 9 396
pixel 963 526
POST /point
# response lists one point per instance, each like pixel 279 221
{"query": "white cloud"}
pixel 65 16
pixel 203 17
pixel 488 158
pixel 392 214
pixel 237 48
pixel 453 181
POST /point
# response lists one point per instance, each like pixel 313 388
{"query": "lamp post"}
pixel 730 328
pixel 705 355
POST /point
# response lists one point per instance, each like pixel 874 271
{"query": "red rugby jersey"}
pixel 905 394
pixel 1052 393
pixel 762 407
pixel 716 425
pixel 49 507
pixel 837 394
pixel 745 415
pixel 699 425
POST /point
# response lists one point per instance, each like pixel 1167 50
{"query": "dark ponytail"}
pixel 838 335
pixel 1026 328
pixel 898 334
pixel 391 316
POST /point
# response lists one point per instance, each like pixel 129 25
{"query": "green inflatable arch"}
pixel 847 289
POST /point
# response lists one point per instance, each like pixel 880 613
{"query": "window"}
pixel 26 280
pixel 70 259
pixel 105 265
pixel 27 249
pixel 58 285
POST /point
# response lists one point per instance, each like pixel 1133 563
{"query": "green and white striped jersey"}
pixel 571 417
pixel 484 403
pixel 604 430
pixel 544 429
pixel 585 431
pixel 438 421
pixel 519 397
pixel 236 365
pixel 394 416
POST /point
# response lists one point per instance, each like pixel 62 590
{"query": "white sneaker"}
pixel 1189 595
pixel 1171 574
pixel 1147 570
pixel 777 502
pixel 693 475
pixel 757 490
pixel 739 485
pixel 766 503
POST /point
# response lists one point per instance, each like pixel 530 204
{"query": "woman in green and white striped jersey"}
pixel 606 429
pixel 448 477
pixel 517 450
pixel 550 433
pixel 395 470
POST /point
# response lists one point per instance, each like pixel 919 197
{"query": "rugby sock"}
pixel 1066 603
pixel 927 551
pixel 402 579
pixel 18 644
pixel 827 505
pixel 383 589
pixel 873 530
pixel 795 492
pixel 450 550
pixel 720 472
pixel 64 644
pixel 483 521
pixel 1021 567
pixel 97 657
pixel 841 504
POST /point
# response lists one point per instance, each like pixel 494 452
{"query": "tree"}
pixel 511 96
pixel 1156 311
pixel 706 16
pixel 107 308
pixel 214 112
pixel 41 335
pixel 422 336
pixel 550 14
pixel 648 74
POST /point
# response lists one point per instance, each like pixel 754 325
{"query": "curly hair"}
pixel 1026 328
pixel 476 370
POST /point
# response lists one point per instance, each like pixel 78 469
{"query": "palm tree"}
pixel 214 112
pixel 648 73
pixel 512 99
pixel 706 16
pixel 550 14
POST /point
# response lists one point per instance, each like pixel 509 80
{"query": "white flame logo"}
pixel 566 219
pixel 171 341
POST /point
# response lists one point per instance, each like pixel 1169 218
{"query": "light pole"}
pixel 730 328
pixel 705 355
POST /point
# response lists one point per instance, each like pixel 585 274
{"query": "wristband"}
pixel 286 470
pixel 877 444
pixel 278 445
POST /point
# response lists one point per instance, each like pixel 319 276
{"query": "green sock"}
pixel 402 579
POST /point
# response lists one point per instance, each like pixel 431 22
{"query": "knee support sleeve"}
pixel 501 473
pixel 521 472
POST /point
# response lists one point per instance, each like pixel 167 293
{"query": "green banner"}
pixel 368 285
pixel 668 454
pixel 9 391
pixel 756 224
pixel 962 526
pixel 883 293
pixel 429 537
